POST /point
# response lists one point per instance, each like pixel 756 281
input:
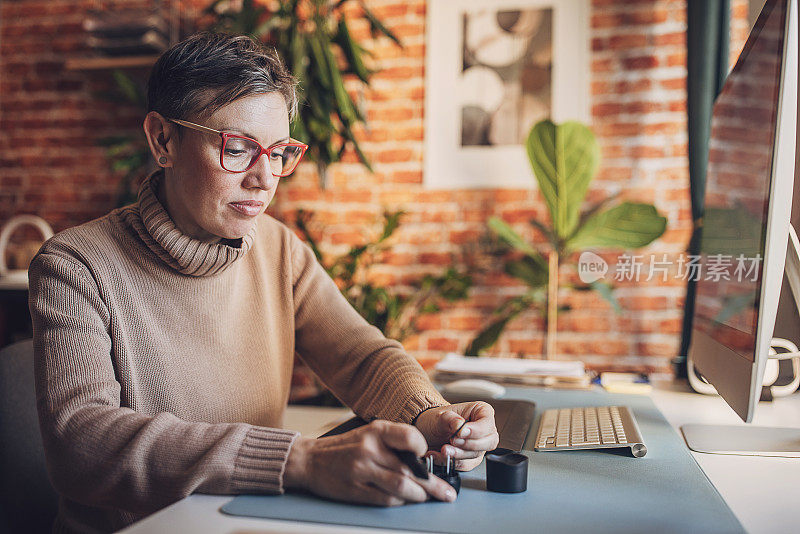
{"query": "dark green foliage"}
pixel 394 314
pixel 313 38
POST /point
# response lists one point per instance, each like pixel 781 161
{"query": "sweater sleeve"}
pixel 101 454
pixel 368 372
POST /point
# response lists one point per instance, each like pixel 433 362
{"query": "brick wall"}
pixel 50 165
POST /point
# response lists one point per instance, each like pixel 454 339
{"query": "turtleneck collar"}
pixel 183 253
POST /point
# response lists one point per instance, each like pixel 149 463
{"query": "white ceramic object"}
pixel 18 278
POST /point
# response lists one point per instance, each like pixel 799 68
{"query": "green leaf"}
pixel 488 336
pixel 357 251
pixel 594 208
pixel 298 49
pixel 547 232
pixel 361 156
pixel 531 271
pixel 607 292
pixel 429 307
pixel 351 51
pixel 320 64
pixel 506 313
pixel 376 26
pixel 630 225
pixel 564 159
pixel 129 89
pixel 345 105
pixel 390 224
pixel 453 285
pixel 127 164
pixel 511 238
pixel 118 150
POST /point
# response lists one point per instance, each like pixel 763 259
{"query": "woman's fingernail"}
pixel 458 441
pixel 451 495
pixel 465 432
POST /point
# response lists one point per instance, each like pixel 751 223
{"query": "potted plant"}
pixel 564 158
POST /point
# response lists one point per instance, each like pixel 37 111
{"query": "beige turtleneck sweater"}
pixel 163 363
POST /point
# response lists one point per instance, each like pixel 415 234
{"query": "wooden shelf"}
pixel 99 63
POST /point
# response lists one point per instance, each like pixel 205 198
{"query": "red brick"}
pixel 443 344
pixel 602 65
pixel 406 177
pixel 640 62
pixel 666 39
pixel 465 236
pixel 436 258
pixel 390 10
pixel 352 195
pixel 674 83
pixel 349 238
pixel 656 349
pixel 628 41
pixel 394 155
pixel 472 322
pixel 526 347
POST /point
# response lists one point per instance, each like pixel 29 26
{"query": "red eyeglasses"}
pixel 239 153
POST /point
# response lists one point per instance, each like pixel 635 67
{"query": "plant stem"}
pixel 552 305
pixel 322 174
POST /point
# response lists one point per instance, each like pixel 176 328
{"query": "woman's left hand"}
pixel 478 435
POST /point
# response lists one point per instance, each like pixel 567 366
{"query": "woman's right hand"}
pixel 360 466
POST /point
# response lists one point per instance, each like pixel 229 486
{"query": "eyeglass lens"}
pixel 239 154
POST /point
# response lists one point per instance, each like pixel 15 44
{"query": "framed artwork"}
pixel 494 68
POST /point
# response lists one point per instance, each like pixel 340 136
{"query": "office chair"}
pixel 28 502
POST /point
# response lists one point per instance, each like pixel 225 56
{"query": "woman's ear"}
pixel 161 136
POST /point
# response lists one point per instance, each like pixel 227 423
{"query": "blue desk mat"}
pixel 568 491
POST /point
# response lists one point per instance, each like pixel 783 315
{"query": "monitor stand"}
pixel 744 440
pixel 749 440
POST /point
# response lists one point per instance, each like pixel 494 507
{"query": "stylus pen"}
pixel 413 463
pixel 459 429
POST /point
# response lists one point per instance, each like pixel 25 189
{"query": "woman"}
pixel 165 331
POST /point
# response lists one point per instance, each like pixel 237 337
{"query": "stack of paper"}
pixel 514 371
pixel 634 383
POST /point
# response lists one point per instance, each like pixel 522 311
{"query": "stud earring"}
pixel 162 160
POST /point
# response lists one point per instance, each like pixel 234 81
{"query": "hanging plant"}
pixel 313 37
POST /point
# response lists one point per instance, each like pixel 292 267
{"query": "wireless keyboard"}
pixel 589 427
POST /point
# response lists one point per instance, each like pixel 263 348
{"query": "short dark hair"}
pixel 206 71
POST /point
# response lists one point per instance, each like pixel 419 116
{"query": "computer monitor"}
pixel 746 224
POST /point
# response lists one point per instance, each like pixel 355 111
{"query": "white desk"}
pixel 762 492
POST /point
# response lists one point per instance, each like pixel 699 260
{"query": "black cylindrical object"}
pixel 506 471
pixel 450 475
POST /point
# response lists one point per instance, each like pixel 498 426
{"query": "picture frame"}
pixel 477 113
